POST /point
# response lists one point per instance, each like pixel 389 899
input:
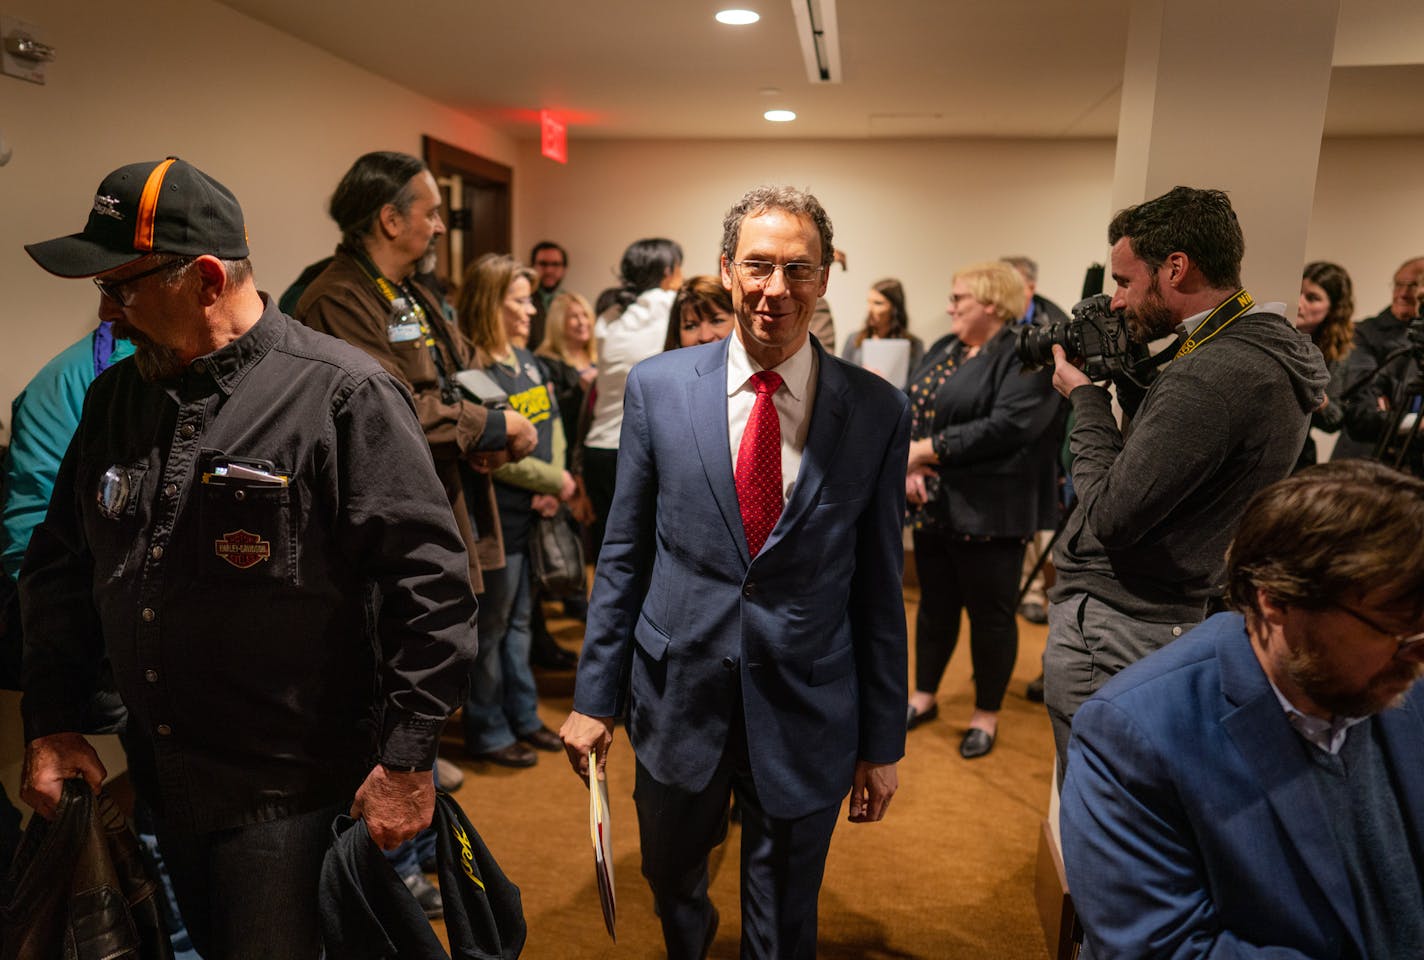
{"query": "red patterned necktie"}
pixel 759 464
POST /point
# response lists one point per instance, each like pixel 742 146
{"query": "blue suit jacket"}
pixel 811 632
pixel 1191 824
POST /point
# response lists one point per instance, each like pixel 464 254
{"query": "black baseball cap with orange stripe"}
pixel 163 206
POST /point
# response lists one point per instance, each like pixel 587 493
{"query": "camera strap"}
pixel 1226 313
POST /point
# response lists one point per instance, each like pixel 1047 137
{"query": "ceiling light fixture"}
pixel 779 116
pixel 737 18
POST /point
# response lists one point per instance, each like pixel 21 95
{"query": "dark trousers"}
pixel 981 576
pixel 600 470
pixel 251 892
pixel 782 861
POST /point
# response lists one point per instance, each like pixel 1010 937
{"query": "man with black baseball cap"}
pixel 249 526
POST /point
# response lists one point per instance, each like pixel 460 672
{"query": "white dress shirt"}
pixel 793 400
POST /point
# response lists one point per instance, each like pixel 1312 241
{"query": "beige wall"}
pixel 1369 212
pixel 918 209
pixel 275 119
pixel 915 210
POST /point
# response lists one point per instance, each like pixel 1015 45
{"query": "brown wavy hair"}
pixel 1336 334
pixel 704 294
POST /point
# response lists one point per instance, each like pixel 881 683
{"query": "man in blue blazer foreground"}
pixel 747 618
pixel 1256 789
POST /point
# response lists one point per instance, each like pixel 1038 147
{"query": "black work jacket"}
pixel 271 640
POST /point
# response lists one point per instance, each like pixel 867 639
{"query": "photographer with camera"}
pixel 1382 413
pixel 1379 341
pixel 1142 558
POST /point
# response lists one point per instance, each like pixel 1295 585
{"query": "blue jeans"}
pixel 503 703
pixel 251 892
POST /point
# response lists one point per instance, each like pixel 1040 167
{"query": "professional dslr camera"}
pixel 1095 334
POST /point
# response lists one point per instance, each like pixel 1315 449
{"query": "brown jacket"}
pixel 344 302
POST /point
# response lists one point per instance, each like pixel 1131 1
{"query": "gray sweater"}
pixel 1158 508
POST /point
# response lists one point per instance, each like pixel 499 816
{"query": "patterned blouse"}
pixel 923 390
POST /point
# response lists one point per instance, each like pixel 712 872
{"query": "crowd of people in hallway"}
pixel 357 475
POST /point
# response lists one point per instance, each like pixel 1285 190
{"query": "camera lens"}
pixel 1035 344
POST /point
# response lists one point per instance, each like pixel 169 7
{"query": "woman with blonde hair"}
pixel 501 717
pixel 570 358
pixel 977 489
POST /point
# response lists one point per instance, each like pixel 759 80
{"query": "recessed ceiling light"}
pixel 770 91
pixel 737 18
pixel 779 116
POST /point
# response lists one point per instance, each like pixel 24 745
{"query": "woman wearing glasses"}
pixel 1327 303
pixel 885 319
pixel 977 491
pixel 501 716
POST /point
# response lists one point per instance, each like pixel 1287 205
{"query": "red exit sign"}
pixel 553 137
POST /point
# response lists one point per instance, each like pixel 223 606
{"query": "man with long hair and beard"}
pixel 1255 788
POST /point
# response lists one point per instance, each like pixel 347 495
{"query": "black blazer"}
pixel 990 417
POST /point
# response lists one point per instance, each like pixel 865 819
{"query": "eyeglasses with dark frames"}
pixel 113 288
pixel 760 271
pixel 1405 641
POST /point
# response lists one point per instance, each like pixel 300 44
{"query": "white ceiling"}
pixel 913 68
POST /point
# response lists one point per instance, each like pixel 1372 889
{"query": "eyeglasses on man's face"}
pixel 760 271
pixel 1405 641
pixel 113 289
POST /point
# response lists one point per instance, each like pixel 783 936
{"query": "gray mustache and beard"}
pixel 154 361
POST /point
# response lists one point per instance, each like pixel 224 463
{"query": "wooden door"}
pixel 477 195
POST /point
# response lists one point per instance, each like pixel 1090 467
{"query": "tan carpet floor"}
pixel 947 875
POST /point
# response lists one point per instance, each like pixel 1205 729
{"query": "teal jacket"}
pixel 42 422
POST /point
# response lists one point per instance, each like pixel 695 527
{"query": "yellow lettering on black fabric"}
pixel 467 856
pixel 533 403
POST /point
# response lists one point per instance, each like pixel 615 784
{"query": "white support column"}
pixel 1230 94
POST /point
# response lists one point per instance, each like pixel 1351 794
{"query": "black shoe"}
pixel 514 755
pixel 1034 691
pixel 976 743
pixel 426 895
pixel 543 739
pixel 546 654
pixel 913 717
pixel 1034 613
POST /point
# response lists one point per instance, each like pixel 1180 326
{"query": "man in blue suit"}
pixel 1255 789
pixel 747 617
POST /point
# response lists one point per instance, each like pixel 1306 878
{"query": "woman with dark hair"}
pixel 1327 304
pixel 977 489
pixel 701 313
pixel 631 325
pixel 501 717
pixel 885 319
